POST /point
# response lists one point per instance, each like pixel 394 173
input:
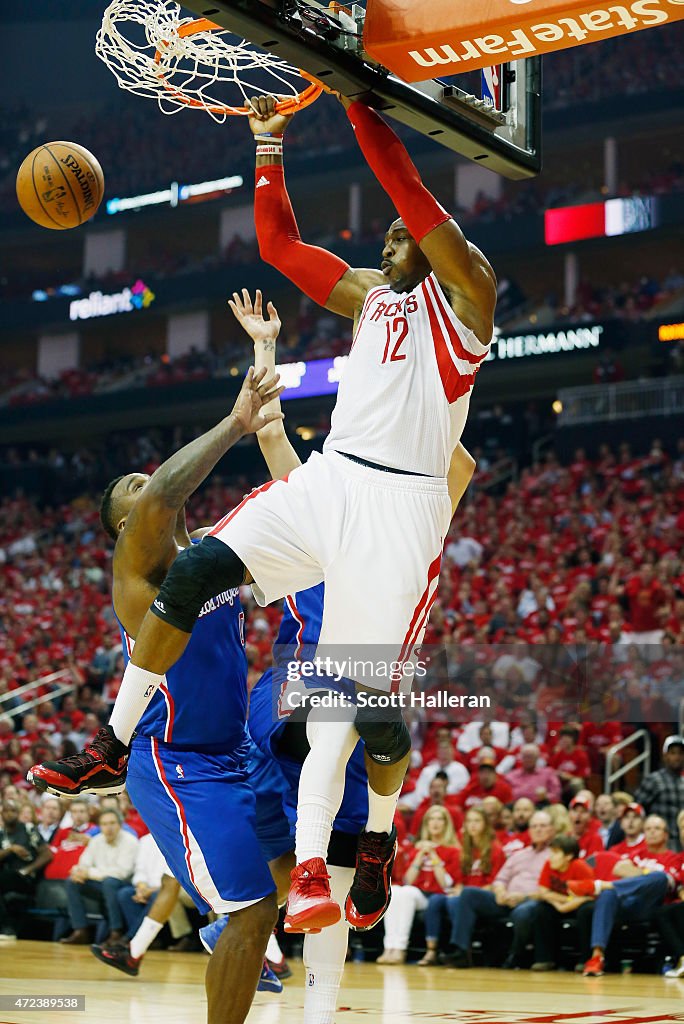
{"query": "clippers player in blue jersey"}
pixel 187 771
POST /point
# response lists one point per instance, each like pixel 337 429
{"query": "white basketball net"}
pixel 139 41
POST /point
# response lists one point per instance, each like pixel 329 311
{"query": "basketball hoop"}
pixel 185 62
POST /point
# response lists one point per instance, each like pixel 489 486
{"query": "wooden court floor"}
pixel 169 990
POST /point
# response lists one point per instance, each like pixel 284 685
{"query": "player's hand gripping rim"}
pixel 264 118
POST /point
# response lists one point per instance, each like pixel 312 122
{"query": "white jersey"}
pixel 404 396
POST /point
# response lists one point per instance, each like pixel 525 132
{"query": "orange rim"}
pixel 286 106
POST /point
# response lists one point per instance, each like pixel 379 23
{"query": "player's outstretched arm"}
pixel 461 469
pixel 321 275
pixel 458 265
pixel 280 456
pixel 146 547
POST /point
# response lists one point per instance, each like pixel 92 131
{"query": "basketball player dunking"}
pixel 187 767
pixel 369 515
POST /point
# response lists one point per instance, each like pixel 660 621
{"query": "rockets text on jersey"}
pixel 403 400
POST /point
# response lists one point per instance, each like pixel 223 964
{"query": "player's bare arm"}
pixel 274 443
pixel 461 469
pixel 147 543
pixel 342 291
pixel 459 266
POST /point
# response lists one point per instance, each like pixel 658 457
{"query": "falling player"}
pixel 369 515
pixel 184 760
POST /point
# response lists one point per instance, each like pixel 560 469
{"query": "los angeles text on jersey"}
pixel 225 597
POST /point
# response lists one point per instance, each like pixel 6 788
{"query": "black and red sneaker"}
pixel 280 968
pixel 99 768
pixel 118 957
pixel 371 889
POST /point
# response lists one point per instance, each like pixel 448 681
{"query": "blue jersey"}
pixel 300 626
pixel 202 703
pixel 298 635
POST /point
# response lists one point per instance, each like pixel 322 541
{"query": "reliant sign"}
pixel 139 296
pixel 443 37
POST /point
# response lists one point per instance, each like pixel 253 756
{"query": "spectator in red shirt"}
pixel 645 880
pixel 434 868
pixel 580 817
pixel 67 846
pixel 563 867
pixel 485 783
pixel 597 738
pixel 570 761
pixel 645 596
pixel 437 797
pixel 632 824
pixel 478 863
pixel 486 740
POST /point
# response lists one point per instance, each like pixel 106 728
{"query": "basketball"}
pixel 60 185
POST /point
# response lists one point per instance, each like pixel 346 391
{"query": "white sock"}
pixel 273 950
pixel 138 687
pixel 381 811
pixel 144 937
pixel 324 956
pixel 320 994
pixel 321 783
pixel 314 826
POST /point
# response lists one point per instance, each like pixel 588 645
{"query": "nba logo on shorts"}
pixel 491 85
pixel 310 979
pixel 179 771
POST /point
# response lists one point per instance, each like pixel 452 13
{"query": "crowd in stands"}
pixel 562 602
pixel 482 848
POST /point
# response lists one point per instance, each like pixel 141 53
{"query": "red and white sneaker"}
pixel 310 906
pixel 594 967
pixel 371 889
pixel 99 768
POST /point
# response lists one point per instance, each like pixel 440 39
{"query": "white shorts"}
pixel 375 538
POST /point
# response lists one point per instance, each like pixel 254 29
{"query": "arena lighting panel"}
pixel 600 220
pixel 326 42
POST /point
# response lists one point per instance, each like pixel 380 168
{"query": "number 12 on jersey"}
pixel 397 332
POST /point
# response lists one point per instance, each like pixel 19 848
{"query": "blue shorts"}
pixel 265 728
pixel 200 810
pixel 273 830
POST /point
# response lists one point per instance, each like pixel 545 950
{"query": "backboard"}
pixel 493 118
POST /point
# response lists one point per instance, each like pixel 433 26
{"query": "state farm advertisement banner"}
pixel 419 40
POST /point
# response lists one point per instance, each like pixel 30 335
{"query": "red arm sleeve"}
pixel 315 271
pixel 386 156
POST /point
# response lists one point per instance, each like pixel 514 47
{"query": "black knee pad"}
pixel 198 574
pixel 384 732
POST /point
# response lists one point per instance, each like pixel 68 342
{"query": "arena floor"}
pixel 171 990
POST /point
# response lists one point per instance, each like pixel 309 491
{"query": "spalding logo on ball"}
pixel 60 185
